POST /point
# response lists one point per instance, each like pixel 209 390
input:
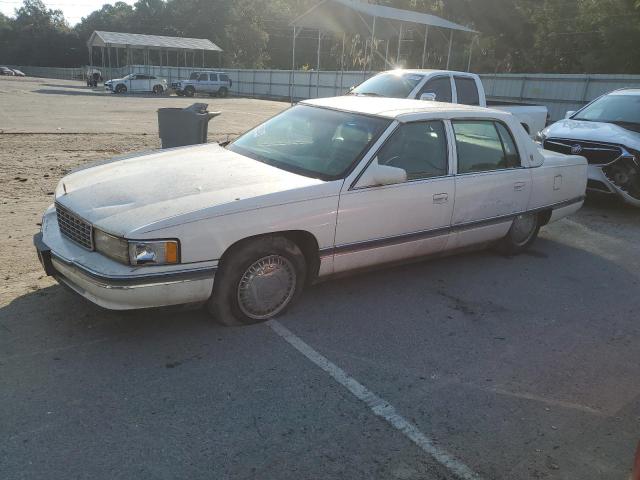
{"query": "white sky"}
pixel 73 10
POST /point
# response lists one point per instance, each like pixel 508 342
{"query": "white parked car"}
pixel 327 186
pixel 137 83
pixel 607 133
pixel 448 86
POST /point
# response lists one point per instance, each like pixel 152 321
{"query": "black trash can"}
pixel 178 127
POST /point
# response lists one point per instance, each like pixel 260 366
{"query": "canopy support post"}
pixel 318 64
pixel 386 54
pixel 344 34
pixel 373 39
pixel 473 40
pixel 109 58
pixel 293 66
pixel 202 58
pixel 424 47
pixel 450 44
pixel 399 43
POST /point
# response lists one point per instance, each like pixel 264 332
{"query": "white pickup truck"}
pixel 450 87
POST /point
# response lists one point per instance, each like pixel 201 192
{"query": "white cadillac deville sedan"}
pixel 327 186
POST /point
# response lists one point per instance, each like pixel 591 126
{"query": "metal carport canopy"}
pixel 352 16
pixel 136 40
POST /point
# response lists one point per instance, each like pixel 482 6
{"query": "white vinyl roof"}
pixel 396 108
pixel 136 40
pixel 353 16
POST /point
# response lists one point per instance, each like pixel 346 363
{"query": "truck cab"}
pixel 449 87
pixel 204 82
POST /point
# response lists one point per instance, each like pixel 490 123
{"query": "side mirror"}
pixel 351 88
pixel 569 113
pixel 429 96
pixel 377 174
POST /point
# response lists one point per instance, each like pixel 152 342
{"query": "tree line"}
pixel 546 36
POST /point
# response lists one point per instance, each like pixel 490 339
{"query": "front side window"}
pixel 419 148
pixel 203 77
pixel 484 145
pixel 194 76
pixel 390 84
pixel 312 141
pixel 467 91
pixel 224 77
pixel 440 87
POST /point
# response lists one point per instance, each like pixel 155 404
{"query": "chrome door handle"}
pixel 518 186
pixel 441 198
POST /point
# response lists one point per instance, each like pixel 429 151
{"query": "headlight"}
pixel 136 252
pixel 111 246
pixel 542 135
pixel 153 253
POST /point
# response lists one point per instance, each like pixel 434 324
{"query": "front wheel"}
pixel 523 232
pixel 257 281
pixel 157 89
pixel 189 92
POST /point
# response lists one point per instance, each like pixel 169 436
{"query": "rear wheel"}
pixel 257 281
pixel 523 232
pixel 189 91
pixel 223 92
pixel 121 89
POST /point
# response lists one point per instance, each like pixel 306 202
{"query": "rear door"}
pixel 492 182
pixel 467 92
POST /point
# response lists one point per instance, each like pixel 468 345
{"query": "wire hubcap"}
pixel 266 287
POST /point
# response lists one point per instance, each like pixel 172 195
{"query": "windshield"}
pixel 389 84
pixel 311 141
pixel 619 109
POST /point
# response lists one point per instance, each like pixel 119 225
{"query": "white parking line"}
pixel 378 406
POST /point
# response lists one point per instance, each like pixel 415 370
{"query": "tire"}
pixel 180 94
pixel 121 89
pixel 523 232
pixel 158 90
pixel 223 92
pixel 242 273
pixel 189 92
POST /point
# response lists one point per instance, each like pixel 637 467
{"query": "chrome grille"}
pixel 595 153
pixel 74 227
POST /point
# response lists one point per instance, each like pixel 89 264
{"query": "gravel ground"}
pixel 520 368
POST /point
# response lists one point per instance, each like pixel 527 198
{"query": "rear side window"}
pixel 440 86
pixel 419 148
pixel 467 91
pixel 484 145
pixel 213 77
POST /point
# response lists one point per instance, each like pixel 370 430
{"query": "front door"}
pixel 379 224
pixel 492 185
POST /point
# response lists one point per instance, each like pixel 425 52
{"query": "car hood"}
pixel 132 194
pixel 594 132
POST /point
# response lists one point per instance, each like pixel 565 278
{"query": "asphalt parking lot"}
pixel 473 366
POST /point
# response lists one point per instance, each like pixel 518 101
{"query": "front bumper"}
pixel 128 289
pixel 599 182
